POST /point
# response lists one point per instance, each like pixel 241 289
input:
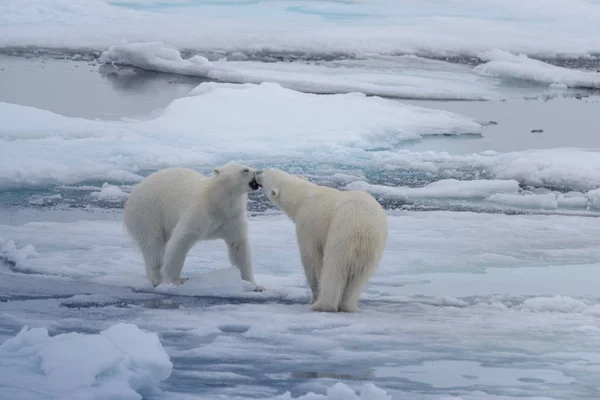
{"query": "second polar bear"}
pixel 172 209
pixel 341 236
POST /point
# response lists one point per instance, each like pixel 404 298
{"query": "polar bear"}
pixel 341 236
pixel 172 209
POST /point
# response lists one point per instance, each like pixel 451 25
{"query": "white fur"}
pixel 172 209
pixel 341 236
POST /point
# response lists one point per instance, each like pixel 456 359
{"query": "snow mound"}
pixel 110 194
pixel 120 363
pixel 446 188
pixel 402 76
pixel 341 391
pixel 270 118
pixel 506 65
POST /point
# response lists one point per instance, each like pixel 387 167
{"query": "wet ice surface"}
pixel 463 304
pixel 488 286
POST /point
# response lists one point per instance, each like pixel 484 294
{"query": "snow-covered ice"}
pixel 452 188
pixel 270 123
pixel 315 27
pixel 509 66
pixel 400 76
pixel 272 126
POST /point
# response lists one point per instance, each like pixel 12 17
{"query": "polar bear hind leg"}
pixel 332 282
pixel 152 251
pixel 176 250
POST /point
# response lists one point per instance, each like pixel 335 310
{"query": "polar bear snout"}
pixel 254 185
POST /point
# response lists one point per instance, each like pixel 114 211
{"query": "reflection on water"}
pixel 86 89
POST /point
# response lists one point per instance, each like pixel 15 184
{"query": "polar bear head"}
pixel 284 190
pixel 236 177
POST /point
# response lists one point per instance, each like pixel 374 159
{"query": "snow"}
pixel 508 66
pixel 330 27
pixel 449 188
pixel 121 362
pixel 271 123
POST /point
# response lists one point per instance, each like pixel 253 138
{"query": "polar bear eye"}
pixel 246 170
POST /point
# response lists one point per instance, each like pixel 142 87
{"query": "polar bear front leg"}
pixel 178 246
pixel 312 261
pixel 240 256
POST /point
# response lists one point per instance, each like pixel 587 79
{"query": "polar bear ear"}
pixel 216 171
pixel 275 193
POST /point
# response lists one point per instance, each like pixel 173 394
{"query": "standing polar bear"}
pixel 172 209
pixel 341 236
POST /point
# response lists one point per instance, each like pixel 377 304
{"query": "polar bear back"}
pixel 164 196
pixel 350 220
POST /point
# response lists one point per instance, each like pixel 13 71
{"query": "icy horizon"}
pixel 321 27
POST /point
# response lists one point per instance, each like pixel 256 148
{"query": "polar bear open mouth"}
pixel 254 185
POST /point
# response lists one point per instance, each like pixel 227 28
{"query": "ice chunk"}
pixel 110 194
pixel 561 304
pixel 505 65
pixel 542 201
pixel 446 188
pixel 594 198
pixel 38 200
pixel 569 168
pixel 341 391
pixel 122 362
pixel 10 252
pixel 572 200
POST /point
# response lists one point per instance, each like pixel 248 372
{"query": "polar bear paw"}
pixel 259 288
pixel 323 307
